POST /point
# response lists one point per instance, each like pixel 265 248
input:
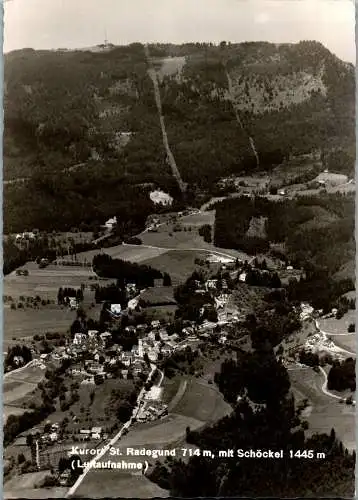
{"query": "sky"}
pixel 50 24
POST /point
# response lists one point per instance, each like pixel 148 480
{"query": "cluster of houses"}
pixel 27 236
pixel 152 410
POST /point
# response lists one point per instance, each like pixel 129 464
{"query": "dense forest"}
pixel 125 272
pixel 342 375
pixel 304 224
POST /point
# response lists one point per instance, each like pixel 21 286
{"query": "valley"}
pixel 203 317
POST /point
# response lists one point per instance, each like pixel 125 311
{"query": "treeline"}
pixel 111 293
pixel 205 232
pixel 35 250
pixel 255 277
pixel 64 294
pixel 342 375
pixel 322 291
pixel 107 267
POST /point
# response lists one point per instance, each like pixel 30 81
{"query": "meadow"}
pixel 325 412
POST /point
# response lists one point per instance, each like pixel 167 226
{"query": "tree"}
pixel 167 280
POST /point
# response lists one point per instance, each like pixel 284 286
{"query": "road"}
pixel 113 441
pixel 170 157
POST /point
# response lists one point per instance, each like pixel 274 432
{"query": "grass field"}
pixel 179 264
pixel 338 326
pixel 348 342
pixel 11 410
pixel 326 412
pixel 25 481
pixel 45 282
pixel 21 383
pixel 199 219
pixel 132 253
pixel 158 295
pixel 28 322
pixel 42 493
pixel 202 402
pixel 117 484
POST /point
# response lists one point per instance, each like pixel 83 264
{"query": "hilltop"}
pixel 82 127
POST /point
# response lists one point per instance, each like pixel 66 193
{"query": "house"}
pixel 126 359
pixel 131 289
pixel 64 477
pixel 73 303
pixel 18 360
pixel 96 432
pixel 53 436
pixel 166 349
pixel 153 355
pixel 111 224
pixel 92 334
pixel 211 284
pixel 79 338
pixel 85 434
pixel 105 338
pixel 116 310
pixel 163 334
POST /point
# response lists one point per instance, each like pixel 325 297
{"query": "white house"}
pixel 111 223
pixel 79 338
pixel 116 309
pixel 96 432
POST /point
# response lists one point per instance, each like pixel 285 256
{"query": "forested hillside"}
pixel 77 122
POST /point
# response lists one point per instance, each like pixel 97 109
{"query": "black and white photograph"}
pixel 178 249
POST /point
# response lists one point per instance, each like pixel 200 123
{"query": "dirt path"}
pixel 170 157
pixel 232 100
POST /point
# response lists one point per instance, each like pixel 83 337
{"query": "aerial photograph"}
pixel 178 249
